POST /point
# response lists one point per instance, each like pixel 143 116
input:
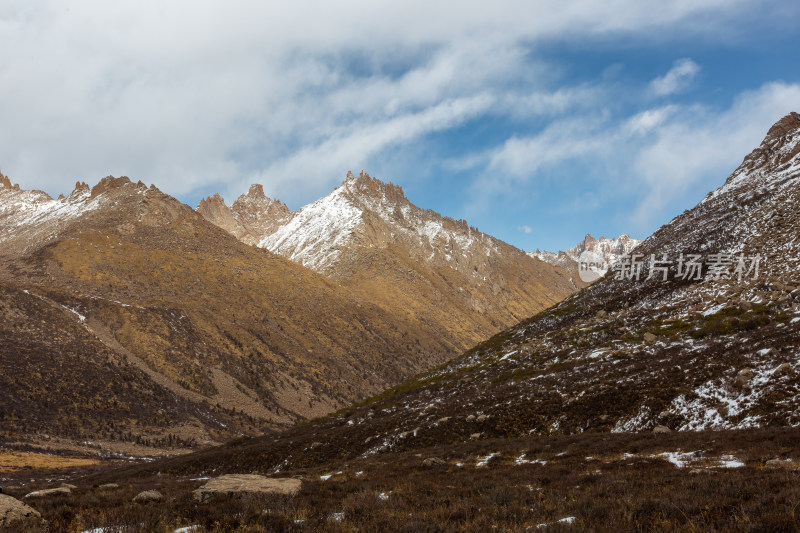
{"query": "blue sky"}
pixel 536 121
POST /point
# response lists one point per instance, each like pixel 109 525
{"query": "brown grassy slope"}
pixel 237 325
pixel 58 379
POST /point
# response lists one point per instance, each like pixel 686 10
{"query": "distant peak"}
pixel 256 191
pixel 215 200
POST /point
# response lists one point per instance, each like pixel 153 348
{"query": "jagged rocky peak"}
pixel 772 162
pixel 778 147
pixel 373 187
pixel 256 199
pixel 215 201
pixel 610 249
pixel 5 181
pixel 251 218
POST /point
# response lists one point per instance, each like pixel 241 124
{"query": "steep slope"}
pixel 249 340
pixel 442 273
pixel 610 250
pixel 623 355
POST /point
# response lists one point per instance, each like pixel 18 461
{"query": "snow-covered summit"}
pixel 773 163
pixel 611 250
pixel 366 213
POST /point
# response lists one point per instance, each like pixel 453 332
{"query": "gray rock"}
pixel 108 486
pixel 470 418
pixel 649 337
pixel 247 483
pixel 743 377
pixel 481 418
pixel 148 496
pixel 48 492
pixel 12 510
pixel 475 436
pixel 783 370
pixel 433 461
pixel 443 420
pixel 661 429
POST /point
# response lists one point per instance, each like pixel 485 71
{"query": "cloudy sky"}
pixel 538 121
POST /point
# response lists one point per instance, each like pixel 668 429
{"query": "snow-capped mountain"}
pixel 701 335
pixel 366 213
pixel 122 284
pixel 368 236
pixel 610 250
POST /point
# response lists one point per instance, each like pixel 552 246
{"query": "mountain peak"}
pixel 364 184
pixel 773 161
pixel 256 191
pixel 5 183
pixel 213 201
pixel 108 183
pixel 788 124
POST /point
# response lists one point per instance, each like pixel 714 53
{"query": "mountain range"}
pixel 707 343
pixel 664 396
pixel 133 324
pixel 609 250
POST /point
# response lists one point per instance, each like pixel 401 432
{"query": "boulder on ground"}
pixel 433 461
pixel 148 496
pixel 661 429
pixel 48 492
pixel 108 486
pixel 778 463
pixel 649 337
pixel 232 484
pixel 783 369
pixel 12 510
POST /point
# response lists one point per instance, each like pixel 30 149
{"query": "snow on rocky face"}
pixel 32 218
pixel 365 213
pixel 610 250
pixel 410 261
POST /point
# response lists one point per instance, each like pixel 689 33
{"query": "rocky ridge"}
pixel 610 250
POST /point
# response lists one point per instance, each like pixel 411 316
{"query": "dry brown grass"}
pixel 13 461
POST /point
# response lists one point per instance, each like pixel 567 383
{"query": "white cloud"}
pixel 525 229
pixel 677 79
pixel 200 94
pixel 701 146
pixel 655 156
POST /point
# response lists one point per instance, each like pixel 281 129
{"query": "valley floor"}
pixel 689 481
